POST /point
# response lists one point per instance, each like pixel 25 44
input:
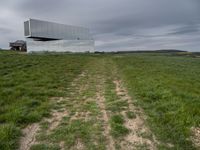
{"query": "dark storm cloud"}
pixel 116 25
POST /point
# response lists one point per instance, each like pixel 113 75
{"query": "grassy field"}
pixel 94 101
pixel 26 85
pixel 168 89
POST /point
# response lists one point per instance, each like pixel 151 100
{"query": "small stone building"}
pixel 18 45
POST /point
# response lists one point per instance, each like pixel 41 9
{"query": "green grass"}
pixel 117 119
pixel 8 136
pixel 168 89
pixel 166 86
pixel 85 131
pixel 114 104
pixel 45 147
pixel 26 84
pixel 117 127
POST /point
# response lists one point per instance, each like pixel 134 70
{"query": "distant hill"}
pixel 169 50
pixel 147 51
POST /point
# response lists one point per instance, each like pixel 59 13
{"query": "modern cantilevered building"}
pixel 44 36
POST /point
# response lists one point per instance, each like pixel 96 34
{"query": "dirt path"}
pixel 82 119
pixel 107 128
pixel 136 125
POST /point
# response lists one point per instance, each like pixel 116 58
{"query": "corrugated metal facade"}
pixel 49 36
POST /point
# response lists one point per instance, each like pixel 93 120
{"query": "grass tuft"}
pixel 45 147
pixel 117 127
pixel 130 115
pixel 9 134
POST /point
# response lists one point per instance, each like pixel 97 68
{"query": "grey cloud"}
pixel 39 7
pixel 5 31
pixel 121 24
pixel 187 29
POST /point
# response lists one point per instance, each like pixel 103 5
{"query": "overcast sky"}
pixel 115 24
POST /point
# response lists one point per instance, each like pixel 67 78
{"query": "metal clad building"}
pixel 49 36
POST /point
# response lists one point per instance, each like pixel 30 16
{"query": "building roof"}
pixel 20 41
pixel 17 43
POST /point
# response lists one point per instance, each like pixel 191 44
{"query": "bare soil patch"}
pixel 79 145
pixel 29 136
pixel 56 118
pixel 196 136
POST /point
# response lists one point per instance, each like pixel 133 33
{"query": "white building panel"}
pixel 60 46
pixel 45 29
pixel 54 37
